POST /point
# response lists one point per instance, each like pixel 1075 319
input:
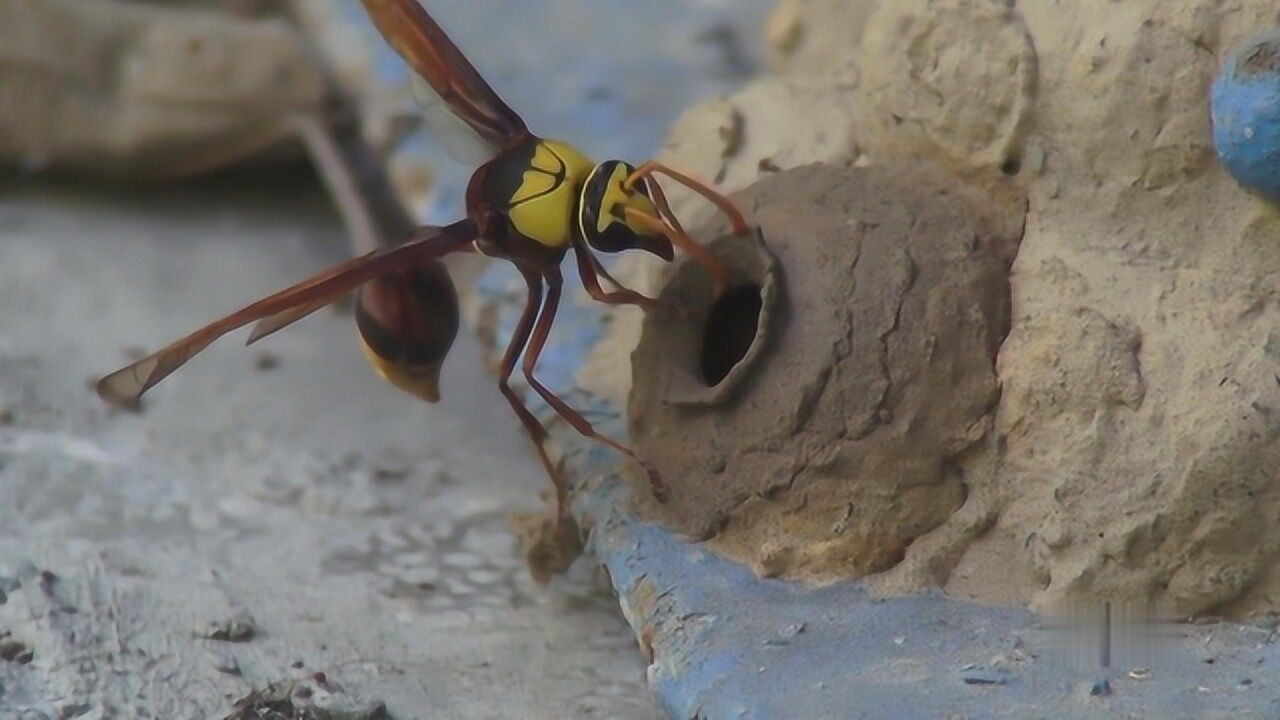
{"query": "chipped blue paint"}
pixel 726 645
pixel 1245 108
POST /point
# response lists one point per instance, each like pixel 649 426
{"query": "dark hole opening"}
pixel 730 330
pixel 1011 165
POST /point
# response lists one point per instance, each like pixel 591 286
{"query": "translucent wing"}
pixel 281 320
pixel 124 386
pixel 454 134
pixel 424 46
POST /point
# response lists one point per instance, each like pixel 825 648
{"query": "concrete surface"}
pixel 363 532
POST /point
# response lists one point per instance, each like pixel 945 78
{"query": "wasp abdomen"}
pixel 408 321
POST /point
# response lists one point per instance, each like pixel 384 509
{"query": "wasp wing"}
pixel 458 138
pixel 412 33
pixel 124 386
pixel 274 323
pixel 281 320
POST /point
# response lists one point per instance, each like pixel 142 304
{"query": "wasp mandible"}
pixel 534 201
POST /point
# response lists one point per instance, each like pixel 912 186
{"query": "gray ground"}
pixel 363 532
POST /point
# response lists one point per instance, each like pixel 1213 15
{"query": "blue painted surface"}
pixel 727 644
pixel 1245 102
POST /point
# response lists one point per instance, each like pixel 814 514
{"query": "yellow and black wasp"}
pixel 531 203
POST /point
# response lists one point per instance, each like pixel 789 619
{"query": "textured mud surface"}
pixel 840 444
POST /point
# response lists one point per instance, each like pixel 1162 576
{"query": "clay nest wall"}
pixel 818 430
pixel 1123 444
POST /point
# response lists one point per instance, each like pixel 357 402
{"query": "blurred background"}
pixel 165 163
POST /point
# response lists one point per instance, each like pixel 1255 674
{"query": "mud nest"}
pixel 809 419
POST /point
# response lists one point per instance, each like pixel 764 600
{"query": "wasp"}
pixel 531 203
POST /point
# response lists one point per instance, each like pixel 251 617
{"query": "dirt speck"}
pixel 291 700
pixel 15 651
pixel 549 547
pixel 1262 59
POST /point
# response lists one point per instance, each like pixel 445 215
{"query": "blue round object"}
pixel 1245 108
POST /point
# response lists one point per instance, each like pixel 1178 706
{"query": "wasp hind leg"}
pixel 555 284
pixel 537 433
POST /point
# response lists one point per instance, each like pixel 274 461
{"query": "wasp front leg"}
pixel 591 270
pixel 726 205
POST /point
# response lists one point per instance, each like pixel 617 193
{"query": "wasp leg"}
pixel 725 204
pixel 555 283
pixel 538 433
pixel 719 274
pixel 590 270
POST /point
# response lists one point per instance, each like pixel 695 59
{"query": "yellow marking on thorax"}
pixel 543 207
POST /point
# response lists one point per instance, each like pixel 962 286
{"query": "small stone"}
pixel 1140 673
pixel 1101 687
pixel 899 640
pixel 238 629
pixel 1244 682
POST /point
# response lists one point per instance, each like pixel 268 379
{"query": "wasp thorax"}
pixel 608 212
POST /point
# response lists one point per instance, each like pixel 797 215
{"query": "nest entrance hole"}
pixel 729 332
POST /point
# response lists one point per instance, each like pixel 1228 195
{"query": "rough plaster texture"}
pixel 1133 447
